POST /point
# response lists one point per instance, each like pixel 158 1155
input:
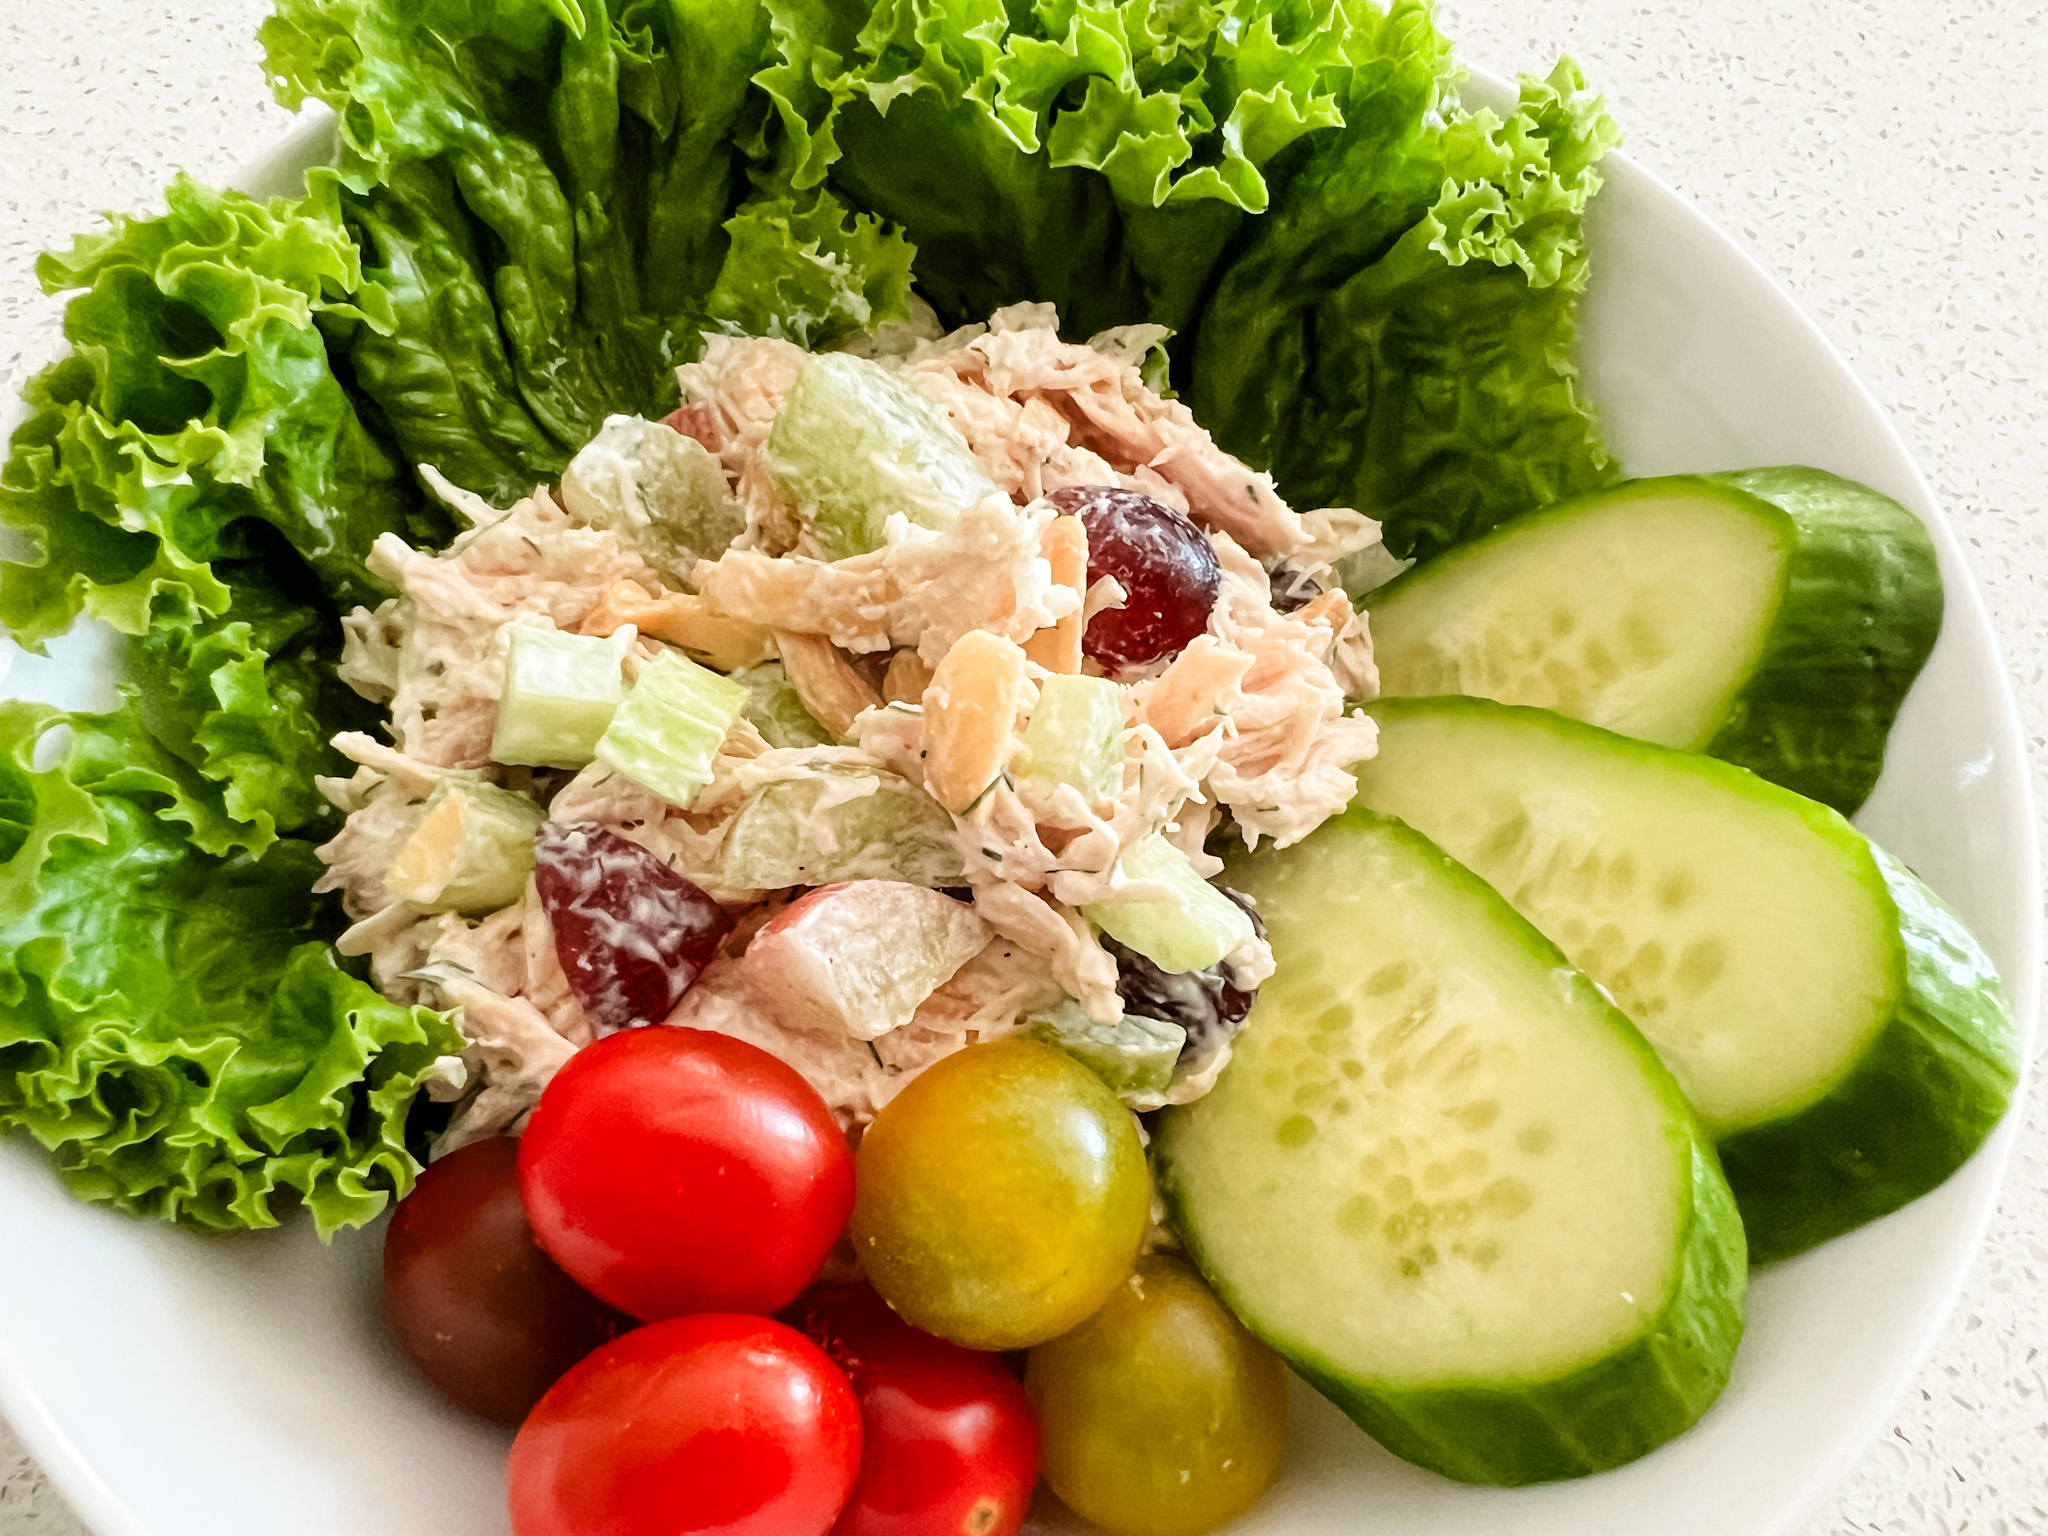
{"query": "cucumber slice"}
pixel 1447 1179
pixel 1838 1030
pixel 1774 618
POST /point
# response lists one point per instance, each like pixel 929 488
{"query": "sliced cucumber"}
pixel 1838 1030
pixel 1449 1181
pixel 1773 617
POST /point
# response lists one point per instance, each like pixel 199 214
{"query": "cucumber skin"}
pixel 1598 1418
pixel 1912 1111
pixel 1595 1418
pixel 1861 611
pixel 1934 1080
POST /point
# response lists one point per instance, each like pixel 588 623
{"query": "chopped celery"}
pixel 471 853
pixel 561 691
pixel 1075 737
pixel 841 824
pixel 663 494
pixel 853 442
pixel 670 727
pixel 1187 926
pixel 1135 1056
pixel 776 708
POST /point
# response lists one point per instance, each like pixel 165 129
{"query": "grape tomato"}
pixel 714 1425
pixel 631 933
pixel 471 1300
pixel 1003 1195
pixel 1165 564
pixel 675 1170
pixel 951 1442
pixel 1161 1415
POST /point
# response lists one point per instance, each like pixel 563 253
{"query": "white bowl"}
pixel 178 1385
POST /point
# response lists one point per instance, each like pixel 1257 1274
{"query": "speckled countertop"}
pixel 1885 158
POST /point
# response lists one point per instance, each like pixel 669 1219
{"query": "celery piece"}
pixel 670 727
pixel 1075 736
pixel 471 852
pixel 1135 1056
pixel 839 824
pixel 1188 925
pixel 663 495
pixel 852 442
pixel 776 708
pixel 561 691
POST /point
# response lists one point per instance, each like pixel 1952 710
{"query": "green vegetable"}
pixel 553 200
pixel 1778 632
pixel 1837 1028
pixel 777 709
pixel 1396 334
pixel 662 494
pixel 838 824
pixel 1134 1056
pixel 172 1029
pixel 471 852
pixel 1451 1183
pixel 1177 920
pixel 1862 611
pixel 561 692
pixel 852 443
pixel 670 727
pixel 1075 737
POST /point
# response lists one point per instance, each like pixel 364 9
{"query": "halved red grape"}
pixel 1165 564
pixel 631 933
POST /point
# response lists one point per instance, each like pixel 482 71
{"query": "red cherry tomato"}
pixel 471 1300
pixel 675 1170
pixel 713 1425
pixel 952 1440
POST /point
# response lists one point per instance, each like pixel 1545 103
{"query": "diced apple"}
pixel 471 852
pixel 857 958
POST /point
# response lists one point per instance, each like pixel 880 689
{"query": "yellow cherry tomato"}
pixel 1001 1196
pixel 1161 1415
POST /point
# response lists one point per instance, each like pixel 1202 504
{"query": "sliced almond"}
pixel 1065 547
pixel 907 678
pixel 716 639
pixel 970 716
pixel 1332 609
pixel 825 680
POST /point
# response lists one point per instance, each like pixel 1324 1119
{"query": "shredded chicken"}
pixel 1252 721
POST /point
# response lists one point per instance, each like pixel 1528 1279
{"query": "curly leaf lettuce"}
pixel 555 201
pixel 198 403
pixel 172 1028
pixel 1397 334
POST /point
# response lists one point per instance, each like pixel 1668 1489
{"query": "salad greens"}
pixel 537 210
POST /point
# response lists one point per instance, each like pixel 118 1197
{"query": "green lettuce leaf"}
pixel 249 698
pixel 554 202
pixel 1396 335
pixel 197 405
pixel 172 1029
pixel 1100 154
